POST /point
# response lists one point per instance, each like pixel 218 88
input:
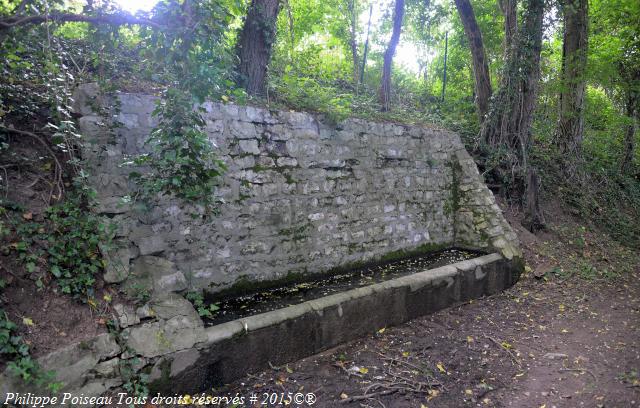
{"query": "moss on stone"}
pixel 244 284
pixel 289 179
pixel 259 168
pixel 295 233
pixel 412 252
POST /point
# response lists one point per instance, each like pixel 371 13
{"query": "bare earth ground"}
pixel 567 339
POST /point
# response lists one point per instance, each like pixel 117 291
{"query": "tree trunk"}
pixel 444 71
pixel 629 143
pixel 366 45
pixel 292 38
pixel 351 6
pixel 509 11
pixel 385 87
pixel 574 61
pixel 480 66
pixel 534 218
pixel 256 41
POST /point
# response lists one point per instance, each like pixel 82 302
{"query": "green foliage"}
pixel 66 243
pixel 14 349
pixel 73 246
pixel 141 294
pixel 183 162
pixel 189 54
pixel 136 384
pixel 308 94
pixel 204 310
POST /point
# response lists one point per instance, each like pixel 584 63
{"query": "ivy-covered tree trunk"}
pixel 574 61
pixel 509 118
pixel 480 66
pixel 507 125
pixel 385 86
pixel 255 44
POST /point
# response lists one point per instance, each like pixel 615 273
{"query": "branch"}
pixel 114 19
pixel 21 6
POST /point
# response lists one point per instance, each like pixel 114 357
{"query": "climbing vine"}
pixel 183 162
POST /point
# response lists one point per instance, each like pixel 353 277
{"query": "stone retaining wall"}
pixel 301 197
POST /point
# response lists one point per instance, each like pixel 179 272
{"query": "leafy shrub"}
pixel 309 94
pixel 204 310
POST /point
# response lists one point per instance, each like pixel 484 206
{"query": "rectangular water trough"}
pixel 235 348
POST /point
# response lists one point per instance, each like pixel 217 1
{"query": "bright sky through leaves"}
pixel 133 6
pixel 406 52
